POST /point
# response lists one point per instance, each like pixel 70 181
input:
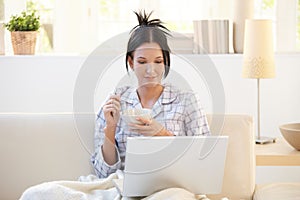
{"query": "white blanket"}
pixel 92 188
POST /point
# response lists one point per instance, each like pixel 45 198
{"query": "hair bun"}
pixel 144 21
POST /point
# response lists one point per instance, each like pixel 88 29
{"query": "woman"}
pixel 174 112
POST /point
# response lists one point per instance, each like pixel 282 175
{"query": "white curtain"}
pixel 75 27
pixel 286 25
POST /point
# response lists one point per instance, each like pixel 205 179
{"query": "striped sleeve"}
pixel 195 118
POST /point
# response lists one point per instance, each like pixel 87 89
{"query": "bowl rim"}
pixel 283 126
pixel 146 109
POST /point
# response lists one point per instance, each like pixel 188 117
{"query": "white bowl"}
pixel 130 115
pixel 291 133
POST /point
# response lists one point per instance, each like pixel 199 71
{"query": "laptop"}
pixel 195 163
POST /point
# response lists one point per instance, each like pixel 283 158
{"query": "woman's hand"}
pixel 111 111
pixel 149 128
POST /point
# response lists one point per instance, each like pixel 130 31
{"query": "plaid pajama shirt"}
pixel 178 111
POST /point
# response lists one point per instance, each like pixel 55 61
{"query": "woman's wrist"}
pixel 111 128
pixel 110 132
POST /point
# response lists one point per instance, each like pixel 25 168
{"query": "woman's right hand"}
pixel 111 111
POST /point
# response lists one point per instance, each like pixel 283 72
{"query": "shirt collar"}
pixel 131 96
pixel 169 94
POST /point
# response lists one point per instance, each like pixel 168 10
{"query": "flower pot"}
pixel 24 42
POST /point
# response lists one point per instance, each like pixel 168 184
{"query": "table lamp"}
pixel 258 59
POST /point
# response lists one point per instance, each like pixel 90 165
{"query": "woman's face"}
pixel 148 64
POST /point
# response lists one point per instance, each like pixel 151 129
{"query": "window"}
pixel 264 9
pixel 45 9
pixel 298 26
pixel 114 17
pixel 286 17
pixel 87 24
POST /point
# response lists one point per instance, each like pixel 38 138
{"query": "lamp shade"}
pixel 258 58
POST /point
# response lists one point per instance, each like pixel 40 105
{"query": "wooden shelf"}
pixel 279 153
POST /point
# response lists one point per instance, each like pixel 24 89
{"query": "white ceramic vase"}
pixel 242 10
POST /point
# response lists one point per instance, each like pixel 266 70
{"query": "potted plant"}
pixel 23 30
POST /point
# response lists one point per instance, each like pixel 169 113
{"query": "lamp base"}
pixel 265 140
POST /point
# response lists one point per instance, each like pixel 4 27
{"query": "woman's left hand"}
pixel 149 128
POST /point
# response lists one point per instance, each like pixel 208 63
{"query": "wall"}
pixel 46 84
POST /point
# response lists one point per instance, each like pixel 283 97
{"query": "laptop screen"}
pixel 195 163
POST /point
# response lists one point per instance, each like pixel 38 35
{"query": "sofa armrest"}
pixel 239 175
pixel 36 148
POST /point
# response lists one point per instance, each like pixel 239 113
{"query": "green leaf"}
pixel 24 22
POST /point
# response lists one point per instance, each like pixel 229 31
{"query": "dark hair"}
pixel 149 31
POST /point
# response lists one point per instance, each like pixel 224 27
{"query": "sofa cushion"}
pixel 277 191
pixel 239 175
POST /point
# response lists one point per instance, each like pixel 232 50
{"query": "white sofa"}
pixel 36 148
pixel 45 147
